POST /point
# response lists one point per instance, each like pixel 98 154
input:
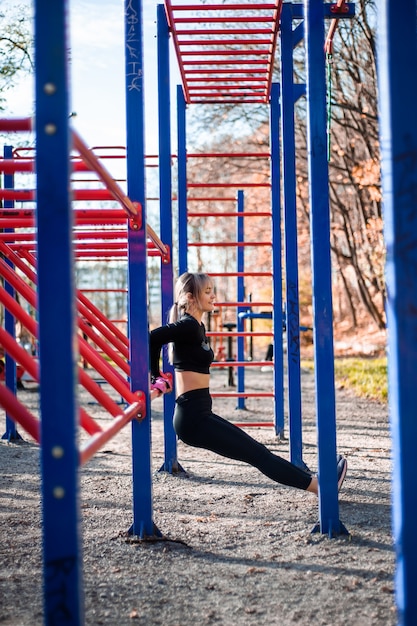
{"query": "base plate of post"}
pixel 332 533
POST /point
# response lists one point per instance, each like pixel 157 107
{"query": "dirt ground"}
pixel 238 548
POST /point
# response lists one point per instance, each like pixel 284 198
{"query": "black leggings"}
pixel 196 425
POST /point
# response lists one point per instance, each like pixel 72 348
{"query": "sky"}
pixel 97 67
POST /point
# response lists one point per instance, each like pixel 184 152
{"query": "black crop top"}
pixel 192 353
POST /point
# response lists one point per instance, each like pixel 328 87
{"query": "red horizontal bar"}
pixel 211 199
pixel 225 31
pixel 230 244
pixel 229 214
pixel 100 234
pixel 29 222
pixel 26 195
pixel 235 89
pixel 101 254
pixel 110 214
pixel 230 19
pixel 232 70
pixel 99 245
pixel 223 7
pixel 250 52
pixel 17 194
pixel 234 155
pixel 98 253
pixel 226 101
pixel 226 62
pixel 27 163
pixel 109 249
pixel 224 79
pixel 221 42
pixel 216 89
pixel 17 152
pixel 204 71
pixel 221 96
pixel 16 237
pixel 16 124
pixel 225 185
pixel 94 255
pixel 11 166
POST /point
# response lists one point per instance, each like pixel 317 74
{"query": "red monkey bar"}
pixel 225 51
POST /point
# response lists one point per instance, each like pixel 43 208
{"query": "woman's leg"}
pixel 198 426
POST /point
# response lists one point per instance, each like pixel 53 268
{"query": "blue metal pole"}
pixel 240 296
pixel 291 244
pixel 397 61
pixel 182 182
pixel 11 433
pixel 143 525
pixel 321 268
pixel 276 260
pixel 165 212
pixel 57 337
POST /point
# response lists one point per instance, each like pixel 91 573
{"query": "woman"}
pixel 194 421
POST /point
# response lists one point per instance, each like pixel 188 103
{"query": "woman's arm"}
pixel 157 338
pixel 182 330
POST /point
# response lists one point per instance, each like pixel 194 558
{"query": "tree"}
pixel 16 43
pixel 354 178
pixel 354 167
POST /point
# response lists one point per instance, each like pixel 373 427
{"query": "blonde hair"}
pixel 188 285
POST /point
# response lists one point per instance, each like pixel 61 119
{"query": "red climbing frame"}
pixel 225 51
pixel 92 239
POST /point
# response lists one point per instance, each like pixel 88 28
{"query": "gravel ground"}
pixel 236 549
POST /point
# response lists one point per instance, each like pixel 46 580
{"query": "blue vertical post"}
pixel 397 61
pixel 143 525
pixel 291 243
pixel 182 182
pixel 165 213
pixel 11 433
pixel 240 296
pixel 321 269
pixel 57 336
pixel 277 260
